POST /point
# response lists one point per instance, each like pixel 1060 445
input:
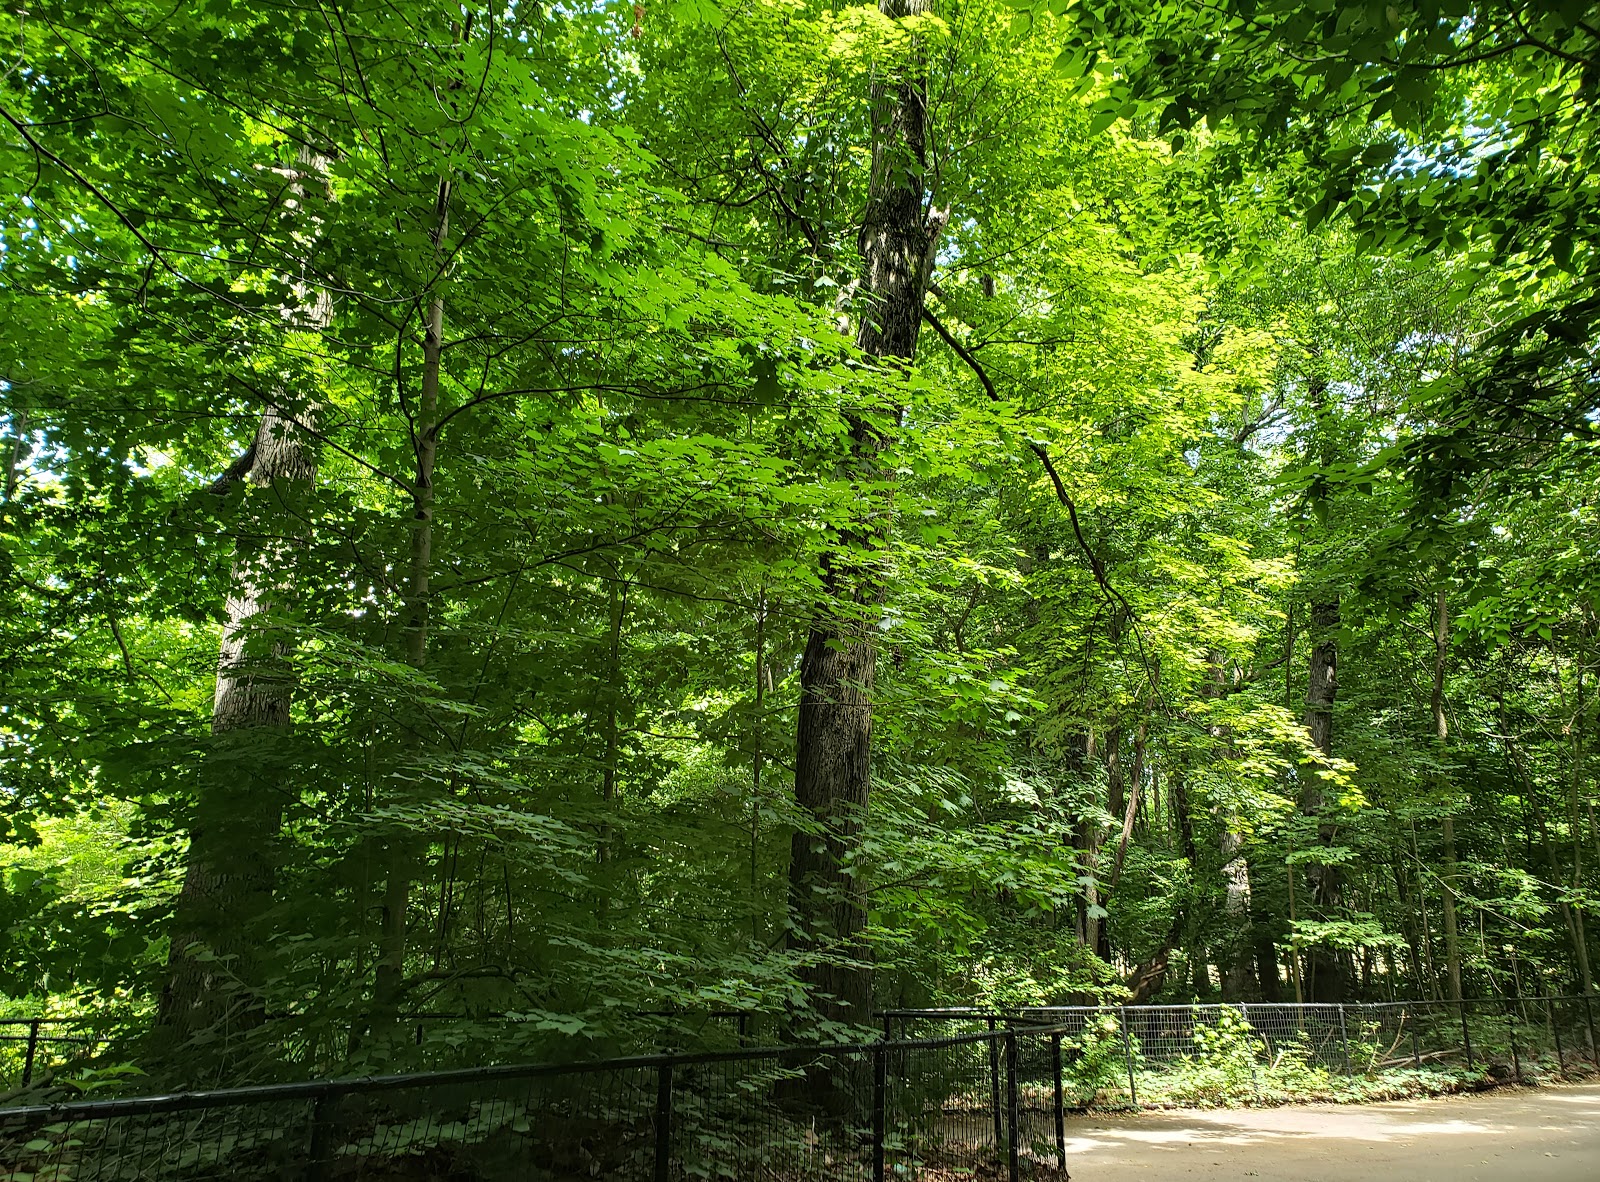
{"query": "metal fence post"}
pixel 1344 1038
pixel 1588 1014
pixel 1416 1051
pixel 1555 1033
pixel 880 1116
pixel 1516 1057
pixel 321 1148
pixel 1013 1113
pixel 1127 1053
pixel 994 1083
pixel 663 1121
pixel 33 1050
pixel 1061 1108
pixel 1466 1034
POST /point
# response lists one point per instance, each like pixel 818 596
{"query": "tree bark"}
pixel 1441 734
pixel 389 975
pixel 1267 977
pixel 213 982
pixel 833 757
pixel 1237 953
pixel 757 761
pixel 1150 976
pixel 1326 975
pixel 1130 813
pixel 1580 939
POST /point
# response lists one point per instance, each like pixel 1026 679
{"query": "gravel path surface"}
pixel 1547 1134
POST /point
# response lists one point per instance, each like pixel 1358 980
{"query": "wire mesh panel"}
pixel 1573 1019
pixel 1041 1099
pixel 792 1115
pixel 944 1106
pixel 247 1141
pixel 597 1124
pixel 1553 1036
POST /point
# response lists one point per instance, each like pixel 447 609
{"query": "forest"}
pixel 528 527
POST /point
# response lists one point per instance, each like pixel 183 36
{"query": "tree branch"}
pixel 1039 450
pixel 236 471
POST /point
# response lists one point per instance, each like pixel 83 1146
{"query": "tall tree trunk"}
pixel 1130 814
pixel 1427 919
pixel 833 757
pixel 1149 977
pixel 757 762
pixel 1296 960
pixel 1089 838
pixel 1408 917
pixel 1116 797
pixel 1580 939
pixel 1441 734
pixel 213 983
pixel 1116 786
pixel 1327 981
pixel 1237 951
pixel 616 613
pixel 1264 922
pixel 388 979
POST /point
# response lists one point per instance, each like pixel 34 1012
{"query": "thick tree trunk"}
pixel 833 757
pixel 213 983
pixel 1326 975
pixel 1237 952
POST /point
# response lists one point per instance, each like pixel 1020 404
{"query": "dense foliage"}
pixel 787 508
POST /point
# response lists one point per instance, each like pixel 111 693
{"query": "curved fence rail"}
pixel 946 1093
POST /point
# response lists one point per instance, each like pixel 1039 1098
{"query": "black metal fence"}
pixel 30 1047
pixel 986 1097
pixel 912 1107
pixel 1259 1051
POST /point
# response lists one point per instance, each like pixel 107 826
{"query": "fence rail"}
pixel 31 1046
pixel 1520 1037
pixel 985 1094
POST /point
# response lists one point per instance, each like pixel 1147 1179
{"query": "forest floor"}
pixel 1548 1134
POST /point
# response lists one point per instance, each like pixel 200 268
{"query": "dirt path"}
pixel 1538 1135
